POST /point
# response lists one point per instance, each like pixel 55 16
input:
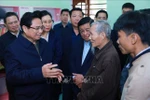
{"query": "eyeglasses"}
pixel 38 28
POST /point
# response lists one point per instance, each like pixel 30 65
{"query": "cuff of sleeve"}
pixel 37 74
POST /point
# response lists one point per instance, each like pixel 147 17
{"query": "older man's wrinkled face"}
pixel 85 31
pixel 95 38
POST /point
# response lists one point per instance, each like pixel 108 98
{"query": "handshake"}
pixel 51 71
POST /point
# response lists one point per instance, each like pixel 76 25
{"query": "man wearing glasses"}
pixel 29 62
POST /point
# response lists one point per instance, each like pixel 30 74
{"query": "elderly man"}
pixel 102 79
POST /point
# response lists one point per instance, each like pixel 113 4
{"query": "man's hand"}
pixel 78 79
pixel 49 71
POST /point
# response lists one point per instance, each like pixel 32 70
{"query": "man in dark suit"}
pixel 11 21
pixel 70 37
pixel 64 17
pixel 81 56
pixel 28 67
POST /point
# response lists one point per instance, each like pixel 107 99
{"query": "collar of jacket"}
pixel 26 42
pixel 99 52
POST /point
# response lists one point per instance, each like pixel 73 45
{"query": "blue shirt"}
pixel 85 50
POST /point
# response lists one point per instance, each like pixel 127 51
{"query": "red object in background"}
pixel 57 14
pixel 4 96
pixel 3 90
pixel 3 30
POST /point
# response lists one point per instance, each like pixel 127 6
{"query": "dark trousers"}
pixel 56 89
pixel 70 91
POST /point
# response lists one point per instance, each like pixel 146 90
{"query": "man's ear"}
pixel 134 38
pixel 24 28
pixel 103 35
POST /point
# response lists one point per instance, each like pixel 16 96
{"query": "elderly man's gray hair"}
pixel 102 26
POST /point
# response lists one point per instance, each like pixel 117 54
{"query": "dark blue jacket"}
pixel 24 69
pixel 59 27
pixel 5 40
pixel 54 40
pixel 66 37
pixel 76 59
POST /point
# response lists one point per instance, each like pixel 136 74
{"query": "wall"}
pixel 27 5
pixel 114 8
pixel 38 3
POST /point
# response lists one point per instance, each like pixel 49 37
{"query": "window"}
pixel 96 5
pixel 90 7
pixel 82 6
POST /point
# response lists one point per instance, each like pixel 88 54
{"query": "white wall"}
pixel 38 3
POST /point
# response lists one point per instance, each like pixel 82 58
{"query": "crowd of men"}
pixel 80 57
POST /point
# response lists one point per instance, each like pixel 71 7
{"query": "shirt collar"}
pixel 100 51
pixel 67 25
pixel 46 38
pixel 87 43
pixel 15 33
pixel 143 51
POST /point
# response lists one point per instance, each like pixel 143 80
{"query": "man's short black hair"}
pixel 84 21
pixel 9 14
pixel 135 22
pixel 101 11
pixel 128 5
pixel 76 9
pixel 37 12
pixel 27 19
pixel 65 10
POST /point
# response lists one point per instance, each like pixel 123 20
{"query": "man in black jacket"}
pixel 12 23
